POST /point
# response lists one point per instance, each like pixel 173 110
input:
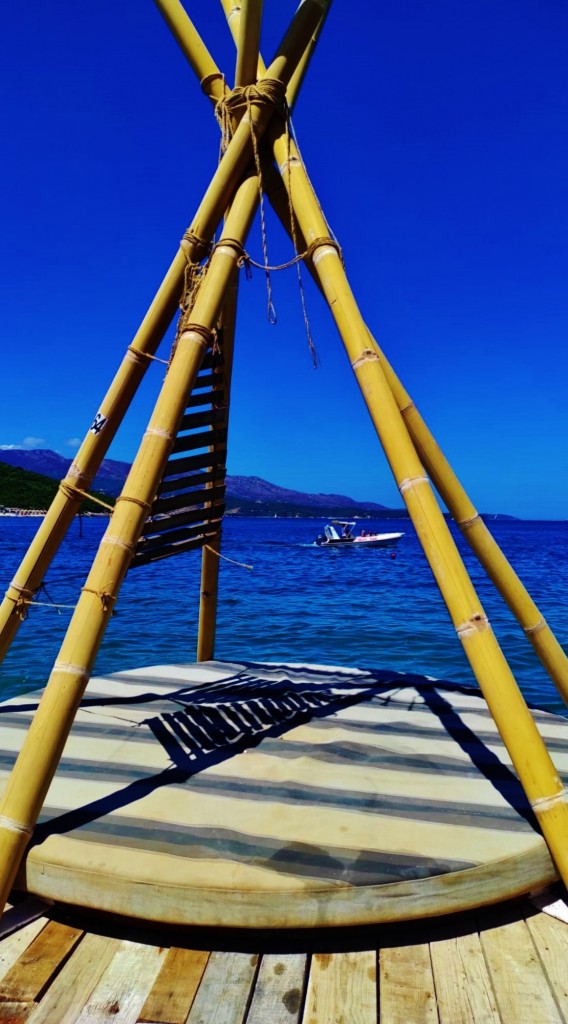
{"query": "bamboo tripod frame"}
pixel 407 443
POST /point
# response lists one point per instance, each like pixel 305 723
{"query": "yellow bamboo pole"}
pixel 44 743
pixel 248 42
pixel 530 757
pixel 233 12
pixel 452 492
pixel 32 570
pixel 210 553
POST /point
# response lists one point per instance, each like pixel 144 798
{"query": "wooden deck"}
pixel 507 964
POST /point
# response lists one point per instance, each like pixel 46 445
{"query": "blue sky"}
pixel 436 137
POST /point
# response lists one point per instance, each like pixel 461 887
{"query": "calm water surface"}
pixel 300 602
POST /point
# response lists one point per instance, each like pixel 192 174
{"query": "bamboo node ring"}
pixel 118 542
pixel 544 803
pixel 412 482
pixel 464 524
pixel 319 243
pixel 66 668
pixel 76 474
pixel 159 433
pixel 205 333
pixel 531 630
pixel 367 356
pixel 10 825
pixel 137 501
pixel 478 623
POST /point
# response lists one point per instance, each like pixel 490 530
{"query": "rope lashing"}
pixel 22 601
pixel 72 492
pixel 241 565
pixel 107 600
pixel 204 332
pixel 140 357
pixel 268 92
pixel 193 247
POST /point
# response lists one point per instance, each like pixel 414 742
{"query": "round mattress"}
pixel 272 795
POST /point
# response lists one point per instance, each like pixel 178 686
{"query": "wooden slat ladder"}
pixel 189 506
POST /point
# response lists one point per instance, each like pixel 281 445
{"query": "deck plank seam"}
pixel 551 986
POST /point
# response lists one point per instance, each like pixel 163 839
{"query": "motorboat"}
pixel 339 532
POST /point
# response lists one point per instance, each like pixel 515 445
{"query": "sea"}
pixel 281 598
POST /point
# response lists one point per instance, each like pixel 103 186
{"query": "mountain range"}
pixel 244 494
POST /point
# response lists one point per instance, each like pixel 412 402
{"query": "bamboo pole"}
pixel 452 492
pixel 526 748
pixel 249 41
pixel 53 527
pixel 210 553
pixel 233 13
pixel 44 743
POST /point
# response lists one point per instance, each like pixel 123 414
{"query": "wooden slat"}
pixel 224 993
pixel 520 985
pixel 278 993
pixel 42 958
pixel 184 519
pixel 190 442
pixel 175 536
pixel 124 986
pixel 192 480
pixel 211 359
pixel 550 938
pixel 216 398
pixel 342 987
pixel 72 987
pixel 208 418
pixel 463 985
pixel 12 947
pixel 173 991
pixel 187 499
pixel 14 1013
pixel 407 986
pixel 215 458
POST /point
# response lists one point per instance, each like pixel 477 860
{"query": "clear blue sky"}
pixel 436 136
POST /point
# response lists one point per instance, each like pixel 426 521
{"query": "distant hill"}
pixel 109 479
pixel 23 489
pixel 246 495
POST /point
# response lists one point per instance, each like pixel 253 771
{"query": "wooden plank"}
pixel 406 986
pixel 75 983
pixel 207 439
pixel 124 986
pixel 224 994
pixel 521 987
pixel 550 938
pixel 206 459
pixel 279 989
pixel 463 985
pixel 173 992
pixel 342 987
pixel 42 958
pixel 14 1013
pixel 14 945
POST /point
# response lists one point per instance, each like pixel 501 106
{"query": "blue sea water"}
pixel 360 607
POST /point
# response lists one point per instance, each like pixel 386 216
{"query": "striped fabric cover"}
pixel 286 779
